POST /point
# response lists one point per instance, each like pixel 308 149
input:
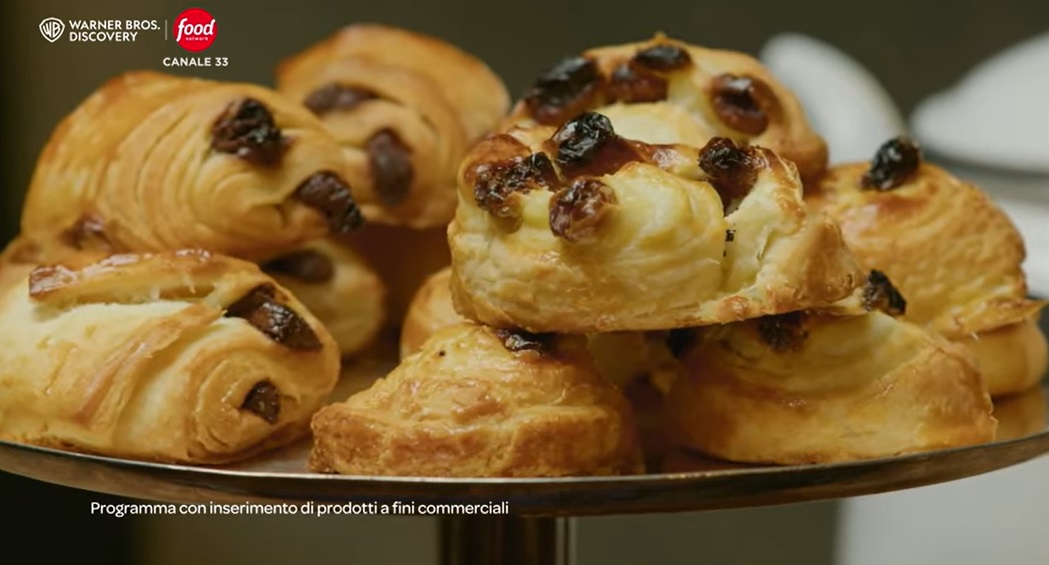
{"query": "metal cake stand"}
pixel 540 526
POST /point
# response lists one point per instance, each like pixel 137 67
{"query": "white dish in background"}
pixel 996 116
pixel 844 102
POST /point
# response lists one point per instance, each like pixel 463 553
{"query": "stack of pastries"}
pixel 648 250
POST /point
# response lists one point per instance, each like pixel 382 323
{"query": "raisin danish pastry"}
pixel 406 107
pixel 812 387
pixel 337 287
pixel 180 357
pixel 578 229
pixel 951 251
pixel 481 402
pixel 666 91
pixel 152 162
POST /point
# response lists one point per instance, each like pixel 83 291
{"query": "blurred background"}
pixel 914 48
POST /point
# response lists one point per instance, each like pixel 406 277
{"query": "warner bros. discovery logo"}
pixel 52 29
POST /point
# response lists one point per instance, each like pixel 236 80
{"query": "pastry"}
pixel 481 402
pixel 580 230
pixel 431 310
pixel 1022 415
pixel 949 249
pixel 337 287
pixel 405 108
pixel 666 91
pixel 152 162
pixel 811 387
pixel 183 357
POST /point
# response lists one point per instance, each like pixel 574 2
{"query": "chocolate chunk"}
pixel 739 102
pixel 784 332
pixel 264 400
pixel 329 195
pixel 495 185
pixel 563 91
pixel 663 57
pixel 580 139
pixel 733 170
pixel 390 161
pixel 307 265
pixel 632 85
pixel 88 230
pixel 335 96
pixel 882 295
pixel 895 162
pixel 246 129
pixel 517 340
pixel 261 309
pixel 576 211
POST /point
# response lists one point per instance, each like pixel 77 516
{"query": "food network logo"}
pixel 194 30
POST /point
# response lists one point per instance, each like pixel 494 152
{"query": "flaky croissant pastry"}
pixel 337 287
pixel 481 402
pixel 807 387
pixel 951 251
pixel 152 162
pixel 666 91
pixel 405 107
pixel 179 357
pixel 431 310
pixel 581 230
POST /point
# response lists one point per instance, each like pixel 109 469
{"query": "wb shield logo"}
pixel 52 29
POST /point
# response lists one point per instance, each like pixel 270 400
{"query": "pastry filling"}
pixel 307 265
pixel 496 185
pixel 518 340
pixel 739 103
pixel 663 57
pixel 246 129
pixel 329 195
pixel 390 162
pixel 577 211
pixel 882 295
pixel 564 90
pixel 587 145
pixel 261 309
pixel 783 332
pixel 263 400
pixel 336 97
pixel 896 161
pixel 732 169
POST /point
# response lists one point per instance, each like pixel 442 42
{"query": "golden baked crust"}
pixel 479 402
pixel 1012 358
pixel 950 250
pixel 811 388
pixel 180 357
pixel 405 107
pixel 1021 415
pixel 690 93
pixel 153 162
pixel 581 230
pixel 337 287
pixel 431 310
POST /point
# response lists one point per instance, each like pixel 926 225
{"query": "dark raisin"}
pixel 783 332
pixel 246 129
pixel 495 185
pixel 576 211
pixel 261 309
pixel 730 236
pixel 738 101
pixel 307 265
pixel 663 57
pixel 517 340
pixel 329 195
pixel 88 230
pixel 580 139
pixel 390 161
pixel 334 96
pixel 564 90
pixel 732 169
pixel 631 85
pixel 895 162
pixel 263 400
pixel 882 295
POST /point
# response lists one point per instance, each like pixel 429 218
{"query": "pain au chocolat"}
pixel 182 357
pixel 820 387
pixel 476 401
pixel 950 250
pixel 666 91
pixel 579 229
pixel 152 162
